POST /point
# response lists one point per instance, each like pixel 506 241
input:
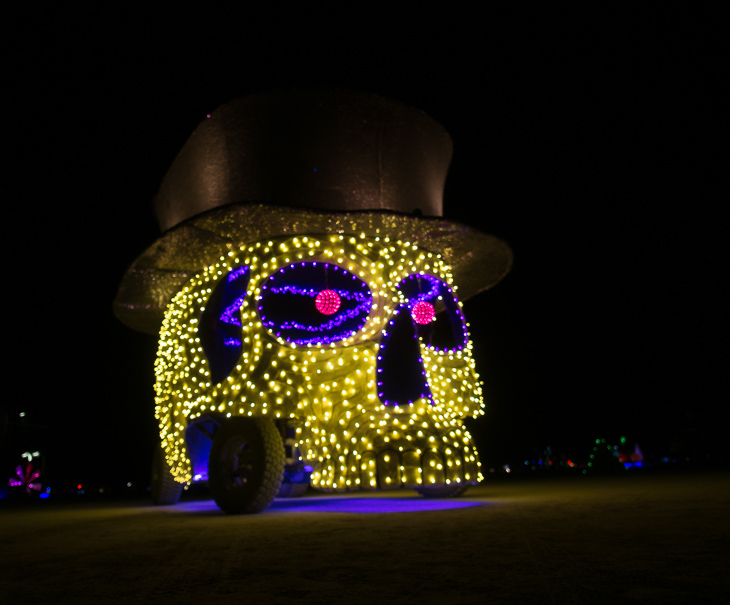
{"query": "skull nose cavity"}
pixel 401 377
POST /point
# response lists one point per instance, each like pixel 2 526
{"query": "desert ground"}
pixel 639 538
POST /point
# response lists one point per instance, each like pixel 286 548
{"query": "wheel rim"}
pixel 237 463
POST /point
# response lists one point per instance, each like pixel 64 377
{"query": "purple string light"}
pixel 236 273
pixel 230 314
pixel 362 297
pixel 346 294
pixel 435 285
pixel 333 323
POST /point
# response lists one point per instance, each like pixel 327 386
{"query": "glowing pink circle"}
pixel 423 313
pixel 327 302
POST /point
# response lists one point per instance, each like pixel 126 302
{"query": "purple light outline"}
pixel 435 285
pixel 228 316
pixel 236 273
pixel 433 292
pixel 364 306
pixel 435 282
pixel 346 294
pixel 427 395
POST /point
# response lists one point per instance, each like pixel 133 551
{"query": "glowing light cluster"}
pixel 423 312
pixel 27 474
pixel 327 386
pixel 327 302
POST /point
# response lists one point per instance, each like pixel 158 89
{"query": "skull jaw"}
pixel 397 462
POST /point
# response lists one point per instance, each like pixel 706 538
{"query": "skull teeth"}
pixel 402 463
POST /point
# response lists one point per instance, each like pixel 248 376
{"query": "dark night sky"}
pixel 586 141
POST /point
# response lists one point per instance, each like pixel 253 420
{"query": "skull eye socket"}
pixel 220 324
pixel 435 311
pixel 435 318
pixel 314 303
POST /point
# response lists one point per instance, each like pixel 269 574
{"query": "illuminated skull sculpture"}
pixel 376 383
pixel 304 290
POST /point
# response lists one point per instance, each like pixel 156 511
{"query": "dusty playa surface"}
pixel 641 538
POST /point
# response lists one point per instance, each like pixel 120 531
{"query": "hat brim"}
pixel 478 260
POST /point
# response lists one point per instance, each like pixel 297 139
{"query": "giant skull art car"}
pixel 301 346
pixel 373 380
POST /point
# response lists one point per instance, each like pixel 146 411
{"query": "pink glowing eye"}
pixel 423 313
pixel 327 302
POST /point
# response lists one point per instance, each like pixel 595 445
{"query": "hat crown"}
pixel 333 150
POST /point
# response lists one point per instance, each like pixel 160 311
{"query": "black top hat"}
pixel 304 163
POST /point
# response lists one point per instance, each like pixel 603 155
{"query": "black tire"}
pixel 164 489
pixel 292 490
pixel 442 491
pixel 246 464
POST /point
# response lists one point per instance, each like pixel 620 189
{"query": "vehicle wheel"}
pixel 246 464
pixel 292 490
pixel 442 491
pixel 164 489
